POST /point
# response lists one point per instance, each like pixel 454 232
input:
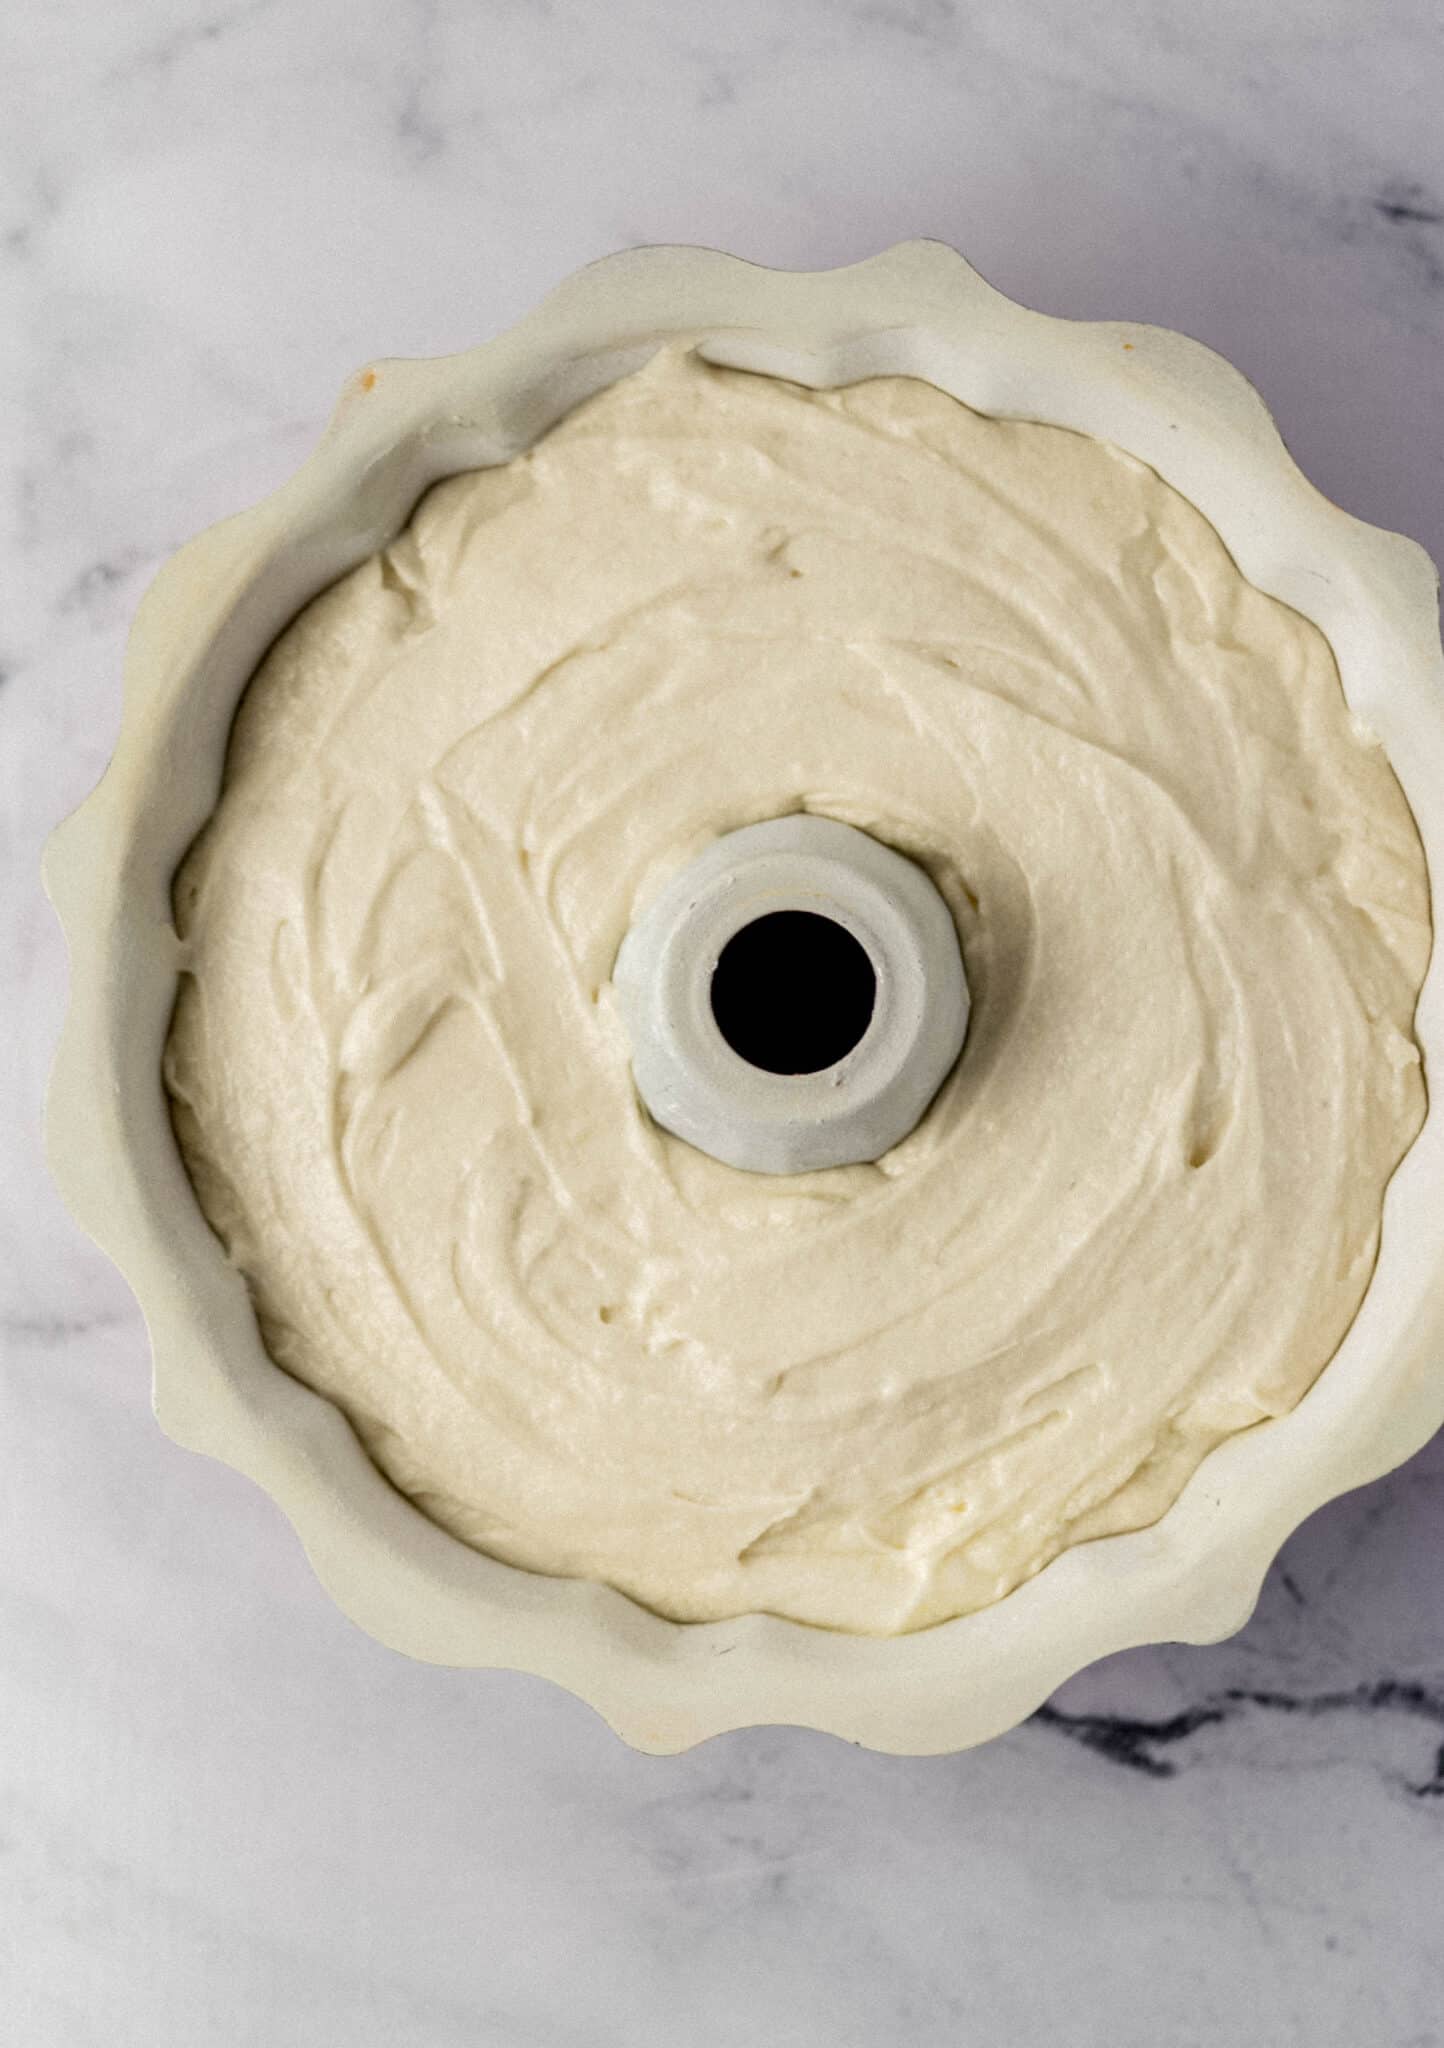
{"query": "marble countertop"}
pixel 226 1818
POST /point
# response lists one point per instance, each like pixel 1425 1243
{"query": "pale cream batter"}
pixel 1143 1210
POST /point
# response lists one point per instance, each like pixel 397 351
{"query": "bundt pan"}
pixel 918 310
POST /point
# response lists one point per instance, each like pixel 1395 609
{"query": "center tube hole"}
pixel 793 992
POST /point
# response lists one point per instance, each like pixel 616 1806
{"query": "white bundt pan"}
pixel 917 309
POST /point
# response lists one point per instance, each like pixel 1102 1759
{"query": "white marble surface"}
pixel 225 1817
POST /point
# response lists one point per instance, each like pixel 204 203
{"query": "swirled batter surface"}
pixel 1144 1208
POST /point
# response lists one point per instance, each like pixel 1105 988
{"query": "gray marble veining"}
pixel 225 1817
